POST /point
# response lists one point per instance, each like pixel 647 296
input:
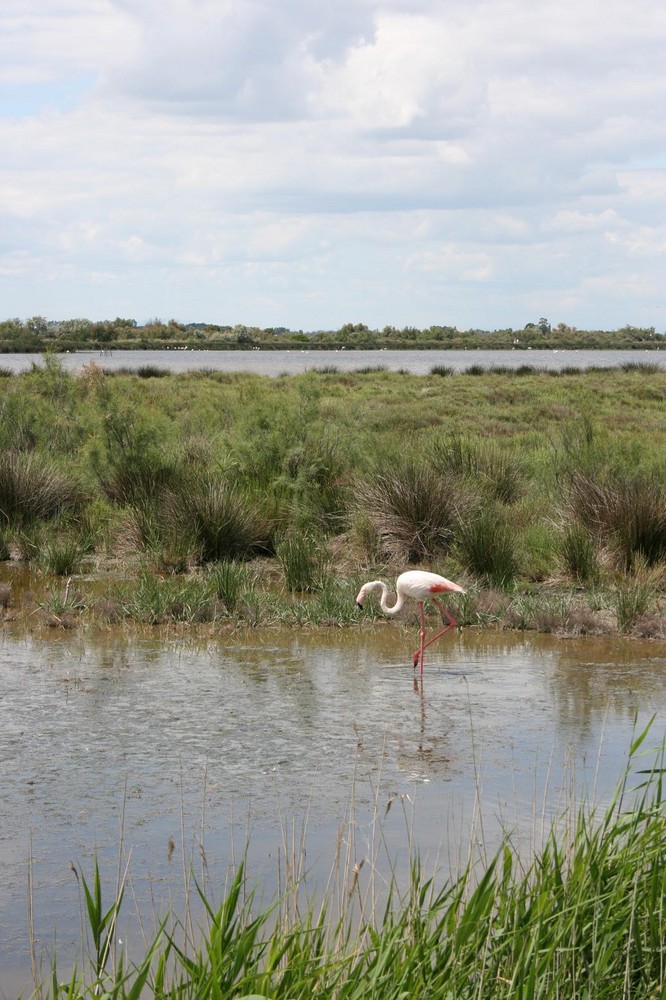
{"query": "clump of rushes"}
pixel 413 509
pixel 626 510
pixel 220 518
pixel 134 476
pixel 61 555
pixel 152 371
pixel 486 545
pixel 582 914
pixel 230 581
pixel 33 488
pixel 490 467
pixel 303 563
pixel 633 600
pixel 157 601
pixel 579 549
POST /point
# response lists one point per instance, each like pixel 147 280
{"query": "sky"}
pixel 309 163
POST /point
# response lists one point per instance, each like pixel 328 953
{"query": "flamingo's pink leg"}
pixel 424 645
pixel 418 654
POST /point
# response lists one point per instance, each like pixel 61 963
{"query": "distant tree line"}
pixel 38 334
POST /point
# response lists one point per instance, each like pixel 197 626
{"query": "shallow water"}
pixel 106 740
pixel 292 362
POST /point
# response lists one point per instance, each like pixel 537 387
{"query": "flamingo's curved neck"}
pixel 400 600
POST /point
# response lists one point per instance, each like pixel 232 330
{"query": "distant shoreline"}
pixel 73 348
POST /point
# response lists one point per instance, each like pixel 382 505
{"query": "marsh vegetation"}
pixel 238 499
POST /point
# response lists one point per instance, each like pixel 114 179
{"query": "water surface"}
pixel 105 739
pixel 292 362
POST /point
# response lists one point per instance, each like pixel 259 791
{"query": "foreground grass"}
pixel 584 916
pixel 269 499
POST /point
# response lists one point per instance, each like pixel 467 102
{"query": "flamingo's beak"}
pixel 359 604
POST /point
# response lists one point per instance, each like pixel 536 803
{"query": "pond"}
pixel 176 750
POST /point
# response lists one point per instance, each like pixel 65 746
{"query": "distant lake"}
pixel 292 362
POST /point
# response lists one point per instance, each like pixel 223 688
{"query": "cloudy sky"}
pixel 307 163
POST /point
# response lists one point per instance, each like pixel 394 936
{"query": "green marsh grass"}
pixel 486 545
pixel 382 468
pixel 492 469
pixel 230 581
pixel 578 912
pixel 580 553
pixel 304 564
pixel 155 600
pixel 633 600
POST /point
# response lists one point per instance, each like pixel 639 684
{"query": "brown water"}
pixel 105 739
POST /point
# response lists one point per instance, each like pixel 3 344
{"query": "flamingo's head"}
pixel 366 589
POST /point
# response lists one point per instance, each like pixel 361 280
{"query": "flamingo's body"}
pixel 419 586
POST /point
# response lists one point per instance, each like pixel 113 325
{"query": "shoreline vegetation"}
pixel 577 912
pixel 37 335
pixel 220 501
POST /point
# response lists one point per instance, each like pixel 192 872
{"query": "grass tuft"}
pixel 413 509
pixel 487 547
pixel 33 489
pixel 303 563
pixel 580 553
pixel 626 510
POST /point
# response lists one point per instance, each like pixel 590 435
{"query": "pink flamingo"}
pixel 420 586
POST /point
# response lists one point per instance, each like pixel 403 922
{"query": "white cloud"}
pixel 305 164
